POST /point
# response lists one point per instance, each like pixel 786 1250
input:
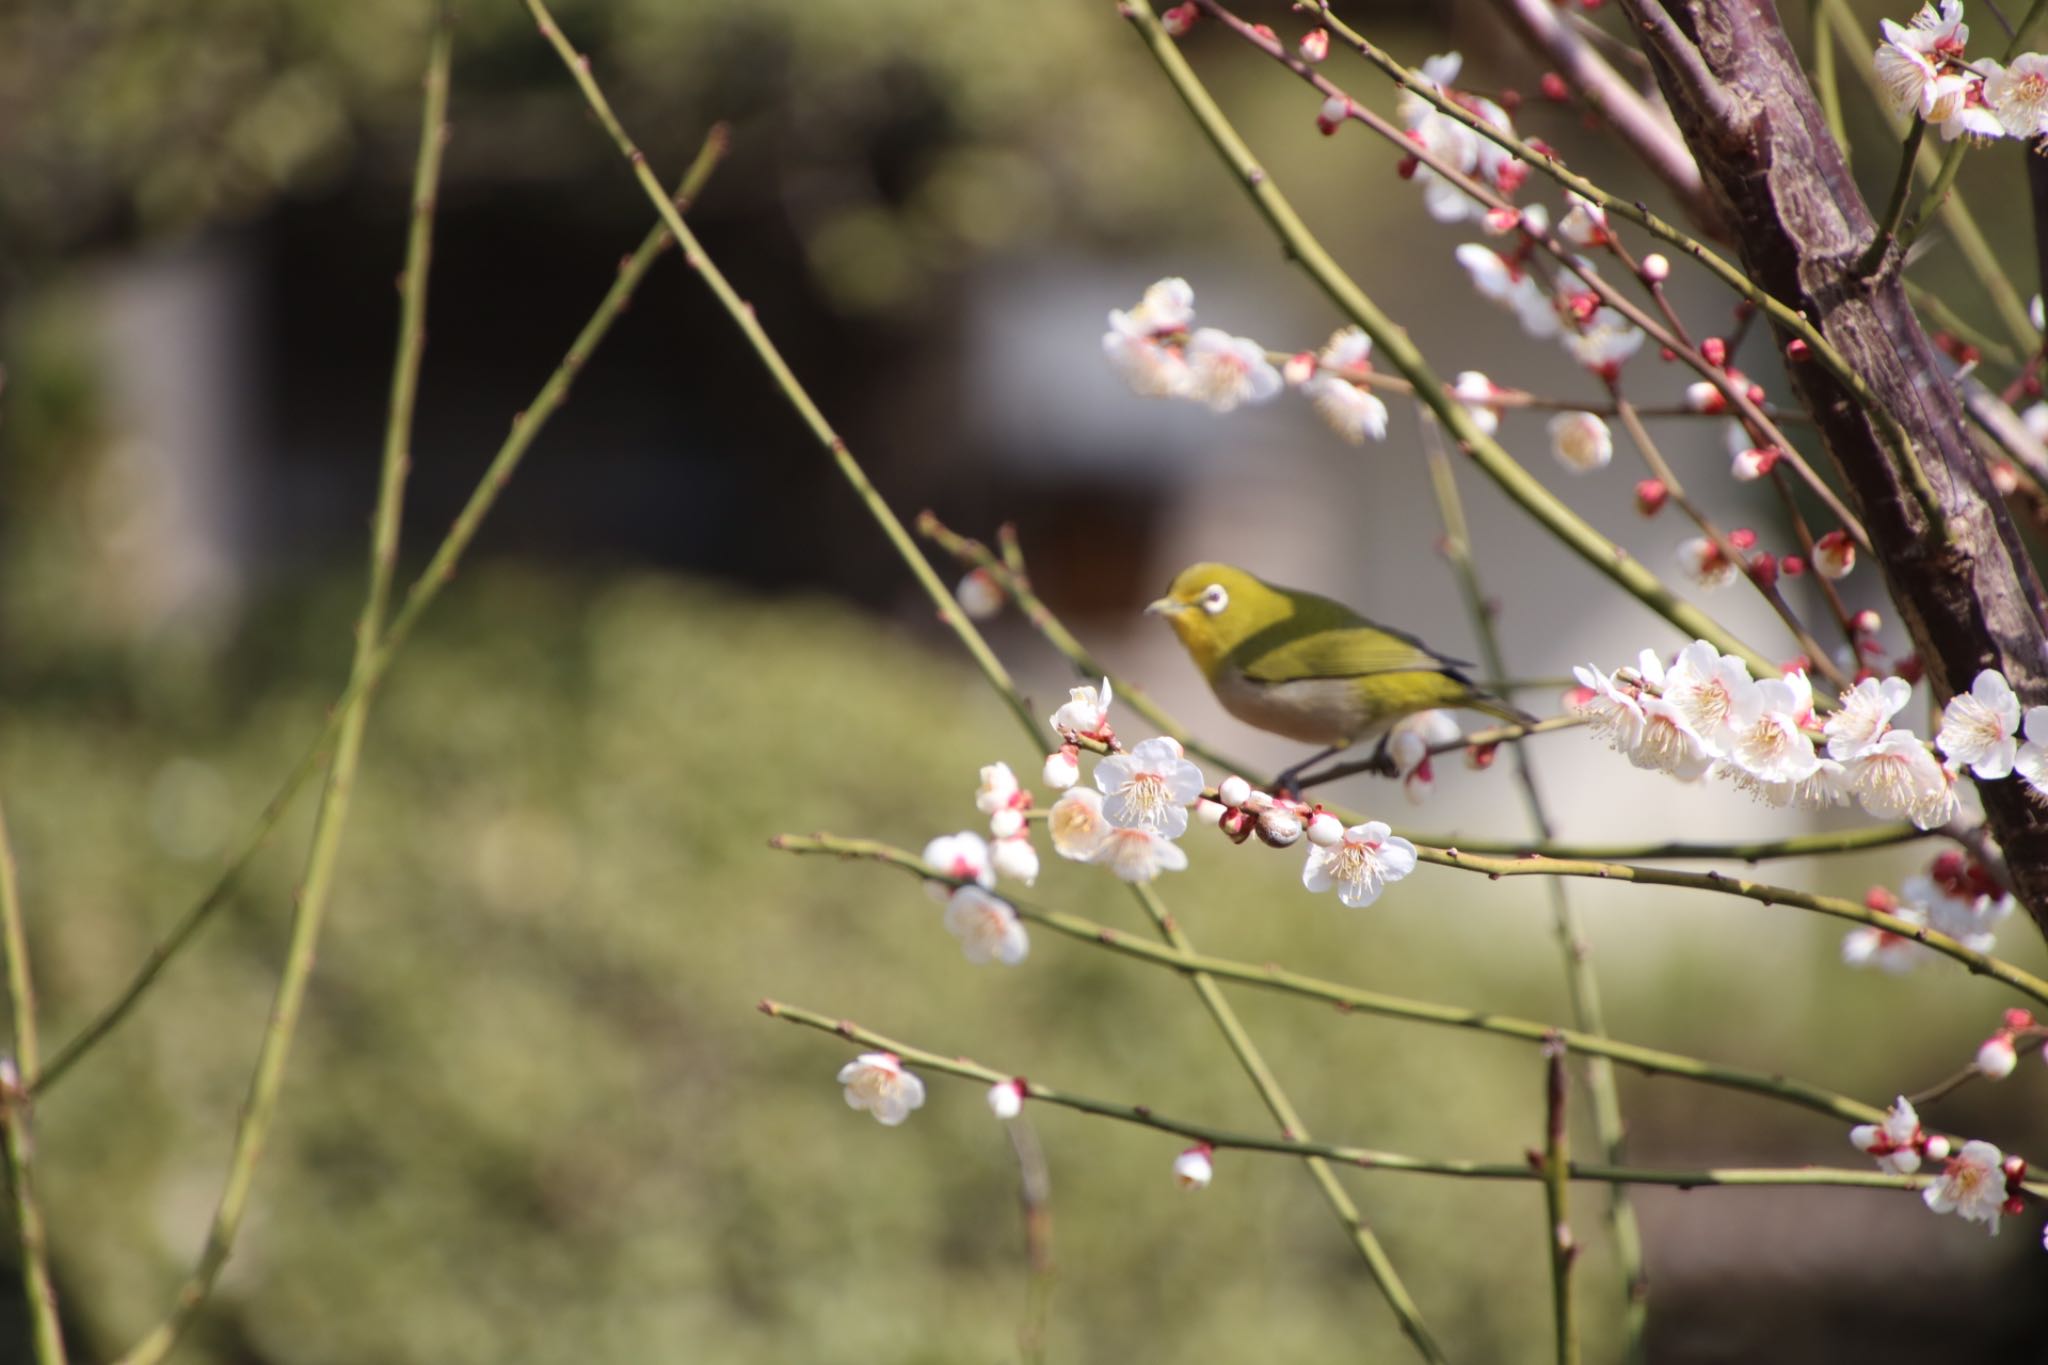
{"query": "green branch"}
pixel 1365 1158
pixel 1895 209
pixel 17 1075
pixel 1557 1209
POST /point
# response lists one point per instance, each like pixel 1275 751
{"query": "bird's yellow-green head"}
pixel 1214 608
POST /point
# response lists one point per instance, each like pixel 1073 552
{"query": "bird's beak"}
pixel 1165 606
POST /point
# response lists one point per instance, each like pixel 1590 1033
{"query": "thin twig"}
pixel 1557 1205
pixel 267 1083
pixel 1895 207
pixel 17 1075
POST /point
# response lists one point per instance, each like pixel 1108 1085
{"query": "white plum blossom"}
pixel 1894 1144
pixel 2018 94
pixel 1437 72
pixel 1360 865
pixel 1605 341
pixel 1168 306
pixel 1706 687
pixel 1581 441
pixel 1016 857
pixel 1006 1099
pixel 877 1082
pixel 1151 787
pixel 1865 715
pixel 1077 824
pixel 1512 287
pixel 1978 727
pixel 998 788
pixel 1154 368
pixel 1870 946
pixel 1704 563
pixel 1966 914
pixel 1769 743
pixel 1085 715
pixel 1910 62
pixel 1997 1057
pixel 2031 762
pixel 1584 224
pixel 964 856
pixel 1352 410
pixel 1062 768
pixel 1136 854
pixel 1477 394
pixel 1192 1169
pixel 979 596
pixel 1972 1186
pixel 1226 371
pixel 1898 779
pixel 987 927
pixel 1613 711
pixel 1409 744
pixel 1834 554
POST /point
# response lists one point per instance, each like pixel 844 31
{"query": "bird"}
pixel 1306 667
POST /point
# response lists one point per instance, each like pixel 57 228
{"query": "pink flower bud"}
pixel 1742 538
pixel 1651 495
pixel 1503 220
pixel 2017 1019
pixel 1834 554
pixel 1866 622
pixel 1192 1169
pixel 1331 116
pixel 1554 88
pixel 1764 569
pixel 1233 791
pixel 1997 1058
pixel 1655 269
pixel 1299 369
pixel 1938 1148
pixel 1316 45
pixel 1753 464
pixel 1796 350
pixel 1179 19
pixel 1006 1099
pixel 1715 351
pixel 1705 397
pixel 1236 825
pixel 1792 566
pixel 1326 831
pixel 1209 812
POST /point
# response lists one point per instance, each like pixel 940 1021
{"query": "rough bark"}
pixel 1970 597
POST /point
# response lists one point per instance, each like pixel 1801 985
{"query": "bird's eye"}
pixel 1214 598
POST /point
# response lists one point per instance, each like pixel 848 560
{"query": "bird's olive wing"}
pixel 1340 652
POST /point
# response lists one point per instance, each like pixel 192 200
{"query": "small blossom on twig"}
pixel 1361 865
pixel 1151 787
pixel 987 927
pixel 877 1082
pixel 1978 727
pixel 1972 1186
pixel 1192 1169
pixel 1581 441
pixel 1006 1099
pixel 1894 1144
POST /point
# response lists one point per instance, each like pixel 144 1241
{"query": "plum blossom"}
pixel 2031 762
pixel 1478 394
pixel 1869 946
pixel 1768 740
pixel 1896 778
pixel 1605 341
pixel 1895 1143
pixel 1137 854
pixel 1960 900
pixel 1997 1057
pixel 1150 788
pixel 1085 715
pixel 1972 1186
pixel 987 927
pixel 1226 371
pixel 2018 94
pixel 1409 744
pixel 964 856
pixel 1612 710
pixel 877 1082
pixel 1192 1169
pixel 1135 343
pixel 1978 727
pixel 1834 554
pixel 1705 687
pixel 1704 563
pixel 1512 287
pixel 1077 824
pixel 1584 224
pixel 1016 857
pixel 1360 865
pixel 1581 441
pixel 1910 62
pixel 1865 715
pixel 1352 410
pixel 979 596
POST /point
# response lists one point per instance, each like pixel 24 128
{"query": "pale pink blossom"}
pixel 1062 768
pixel 979 596
pixel 1361 865
pixel 1351 410
pixel 1834 554
pixel 1869 946
pixel 1077 824
pixel 2018 94
pixel 877 1082
pixel 1016 857
pixel 1085 715
pixel 1151 787
pixel 1893 1144
pixel 1898 778
pixel 1006 1099
pixel 987 927
pixel 1911 61
pixel 1605 341
pixel 1581 441
pixel 963 856
pixel 1978 727
pixel 1192 1169
pixel 998 790
pixel 1768 741
pixel 1706 687
pixel 1137 854
pixel 1477 394
pixel 1227 372
pixel 1865 715
pixel 2031 762
pixel 1704 563
pixel 1972 1186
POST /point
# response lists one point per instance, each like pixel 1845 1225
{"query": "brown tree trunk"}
pixel 1970 596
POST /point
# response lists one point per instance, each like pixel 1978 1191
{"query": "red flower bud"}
pixel 1651 495
pixel 1715 350
pixel 1554 88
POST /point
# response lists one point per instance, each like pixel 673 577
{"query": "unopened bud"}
pixel 1006 1099
pixel 1938 1148
pixel 979 596
pixel 1834 554
pixel 1237 825
pixel 1655 268
pixel 1705 397
pixel 1316 45
pixel 2004 478
pixel 1331 116
pixel 1742 538
pixel 1062 768
pixel 1651 495
pixel 1325 830
pixel 2018 1019
pixel 1866 622
pixel 1209 812
pixel 1299 369
pixel 1554 87
pixel 1796 350
pixel 1792 566
pixel 1005 822
pixel 1505 219
pixel 2015 1168
pixel 1751 465
pixel 1259 801
pixel 1192 1169
pixel 1280 828
pixel 1997 1058
pixel 1764 569
pixel 1715 351
pixel 1233 791
pixel 1480 757
pixel 1179 19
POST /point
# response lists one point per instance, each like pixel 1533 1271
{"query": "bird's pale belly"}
pixel 1324 711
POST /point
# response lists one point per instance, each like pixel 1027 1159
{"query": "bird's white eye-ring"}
pixel 1214 598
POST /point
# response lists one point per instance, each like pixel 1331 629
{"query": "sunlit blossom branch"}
pixel 1582 983
pixel 1962 224
pixel 1766 587
pixel 1363 1157
pixel 440 571
pixel 1269 976
pixel 1735 394
pixel 317 882
pixel 1392 342
pixel 1293 1130
pixel 1820 348
pixel 17 1074
pixel 1476 740
pixel 742 314
pixel 1796 846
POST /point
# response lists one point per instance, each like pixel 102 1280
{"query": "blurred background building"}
pixel 532 1117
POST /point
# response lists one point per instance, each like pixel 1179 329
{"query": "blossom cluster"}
pixel 1956 896
pixel 1704 715
pixel 1360 861
pixel 1978 1182
pixel 1924 73
pixel 1160 353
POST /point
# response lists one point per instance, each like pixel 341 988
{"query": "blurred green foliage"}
pixel 533 1114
